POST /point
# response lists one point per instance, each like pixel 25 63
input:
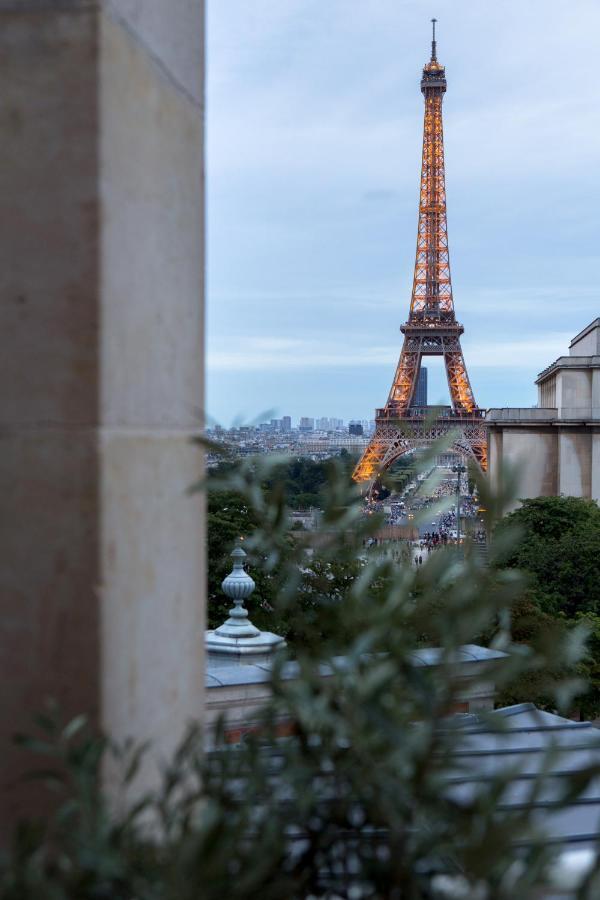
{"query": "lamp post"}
pixel 459 471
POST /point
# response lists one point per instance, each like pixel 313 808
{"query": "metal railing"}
pixel 422 413
pixel 522 414
pixel 544 414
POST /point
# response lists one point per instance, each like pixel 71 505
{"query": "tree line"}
pixel 558 551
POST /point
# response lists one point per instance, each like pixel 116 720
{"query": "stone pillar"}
pixel 102 573
pixel 575 462
pixel 596 465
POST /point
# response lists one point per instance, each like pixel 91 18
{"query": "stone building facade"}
pixel 101 372
pixel 556 445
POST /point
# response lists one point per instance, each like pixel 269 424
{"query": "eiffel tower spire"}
pixel 433 42
pixel 432 289
pixel 431 328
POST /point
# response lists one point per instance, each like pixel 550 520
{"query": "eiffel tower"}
pixel 431 329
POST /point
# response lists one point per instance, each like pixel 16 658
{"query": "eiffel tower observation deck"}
pixel 431 328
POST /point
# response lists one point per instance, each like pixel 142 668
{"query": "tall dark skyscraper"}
pixel 421 389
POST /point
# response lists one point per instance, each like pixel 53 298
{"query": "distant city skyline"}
pixel 314 128
pixel 318 423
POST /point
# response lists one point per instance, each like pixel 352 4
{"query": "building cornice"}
pixel 568 362
pixel 586 331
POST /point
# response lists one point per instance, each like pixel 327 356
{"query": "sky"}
pixel 314 130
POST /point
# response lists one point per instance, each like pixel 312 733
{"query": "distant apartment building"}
pixel 355 428
pixel 332 443
pixel 286 424
pixel 556 444
pixel 306 424
pixel 323 424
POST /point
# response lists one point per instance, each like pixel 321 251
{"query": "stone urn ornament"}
pixel 237 641
pixel 238 586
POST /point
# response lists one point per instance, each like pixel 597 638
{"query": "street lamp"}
pixel 459 471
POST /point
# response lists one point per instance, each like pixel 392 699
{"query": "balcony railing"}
pixel 548 414
pixel 522 414
pixel 422 413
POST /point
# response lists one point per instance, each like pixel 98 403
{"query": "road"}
pixel 416 504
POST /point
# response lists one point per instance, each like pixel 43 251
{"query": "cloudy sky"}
pixel 314 122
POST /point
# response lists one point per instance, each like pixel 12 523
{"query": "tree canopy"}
pixel 560 549
pixel 231 518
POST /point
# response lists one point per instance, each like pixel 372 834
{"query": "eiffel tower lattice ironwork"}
pixel 431 329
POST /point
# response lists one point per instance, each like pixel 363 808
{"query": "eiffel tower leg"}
pixel 387 444
pixel 473 444
pixel 480 453
pixel 407 372
pixel 459 385
pixel 370 463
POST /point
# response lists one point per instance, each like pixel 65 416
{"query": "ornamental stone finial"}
pixel 237 641
pixel 238 586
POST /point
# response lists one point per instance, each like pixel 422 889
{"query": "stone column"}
pixel 102 570
pixel 575 462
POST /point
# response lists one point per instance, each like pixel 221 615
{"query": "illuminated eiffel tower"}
pixel 431 329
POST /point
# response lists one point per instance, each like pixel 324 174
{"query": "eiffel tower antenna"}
pixel 431 328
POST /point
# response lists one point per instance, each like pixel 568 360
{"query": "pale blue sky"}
pixel 314 120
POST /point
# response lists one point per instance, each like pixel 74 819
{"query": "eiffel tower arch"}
pixel 396 436
pixel 431 328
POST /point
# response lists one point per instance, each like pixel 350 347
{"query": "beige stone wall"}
pixel 49 309
pixel 151 385
pixel 553 461
pixel 575 463
pixel 589 342
pixel 595 491
pixel 495 455
pixel 101 582
pixel 596 393
pixel 574 394
pixel 535 455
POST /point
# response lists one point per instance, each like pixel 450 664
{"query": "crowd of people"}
pixel 404 508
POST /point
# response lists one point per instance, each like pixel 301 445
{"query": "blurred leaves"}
pixel 356 800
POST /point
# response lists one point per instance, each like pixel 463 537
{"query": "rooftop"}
pixel 228 676
pixel 587 330
pixel 515 740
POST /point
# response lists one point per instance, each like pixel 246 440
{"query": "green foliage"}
pixel 304 479
pixel 541 632
pixel 315 616
pixel 589 667
pixel 352 803
pixel 230 518
pixel 401 472
pixel 560 550
pixel 560 547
